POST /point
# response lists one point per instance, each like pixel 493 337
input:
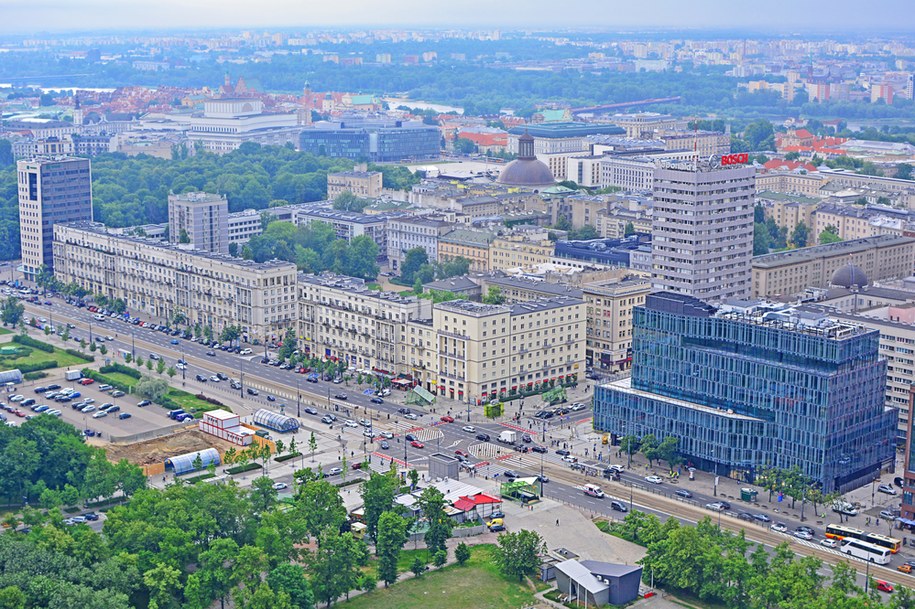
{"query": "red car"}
pixel 86 381
pixel 19 413
pixel 448 419
pixel 884 586
pixel 461 452
pixel 417 444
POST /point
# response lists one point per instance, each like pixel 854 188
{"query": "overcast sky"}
pixel 775 16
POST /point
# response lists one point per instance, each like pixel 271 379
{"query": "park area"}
pixel 36 355
pixel 478 584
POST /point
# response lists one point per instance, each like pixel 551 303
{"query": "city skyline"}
pixel 24 17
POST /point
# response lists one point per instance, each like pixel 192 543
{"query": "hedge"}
pixel 80 355
pixel 101 378
pixel 282 458
pixel 201 478
pixel 34 376
pixel 23 339
pixel 34 366
pixel 116 367
pixel 240 469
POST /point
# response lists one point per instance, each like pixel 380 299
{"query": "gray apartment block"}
pixel 199 219
pixel 702 230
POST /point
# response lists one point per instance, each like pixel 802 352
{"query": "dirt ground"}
pixel 159 449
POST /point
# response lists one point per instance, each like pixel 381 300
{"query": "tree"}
pixel 494 296
pixel 464 146
pixel 799 235
pixel 164 584
pixel 413 477
pixel 669 450
pixel 263 495
pixel 584 233
pixel 629 230
pixel 649 448
pixel 414 259
pixel 418 566
pixel 904 171
pixel 760 239
pixel 171 372
pixel 760 135
pixel 440 558
pixel 312 445
pixel 830 234
pixel 151 388
pixel 347 201
pixel 452 267
pixel 11 597
pixel 392 534
pixel 334 567
pixel 518 553
pixel 183 237
pixel 149 365
pixel 321 507
pixel 160 366
pixel 103 349
pixel 431 503
pixel 378 497
pixel 12 311
pixel 290 578
pixel 462 553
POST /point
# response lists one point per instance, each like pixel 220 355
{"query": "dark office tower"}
pixel 750 385
pixel 51 191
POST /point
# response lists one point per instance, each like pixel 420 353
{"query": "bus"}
pixel 865 551
pixel 839 531
pixel 890 543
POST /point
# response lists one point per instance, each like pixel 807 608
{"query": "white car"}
pixel 654 479
pixel 410 416
pixel 578 406
pixel 886 488
pixel 570 459
pixel 280 486
pixel 100 414
pixel 180 366
pixel 829 543
pixel 17 398
pixel 245 352
pixel 616 468
pixel 779 527
pixel 387 435
pixel 350 423
pixel 469 429
pixel 214 379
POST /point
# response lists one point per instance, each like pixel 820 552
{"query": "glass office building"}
pixel 752 384
pixel 377 141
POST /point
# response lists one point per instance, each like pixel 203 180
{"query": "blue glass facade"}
pixel 373 141
pixel 748 386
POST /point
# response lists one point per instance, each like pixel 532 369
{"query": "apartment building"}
pixel 485 350
pixel 472 244
pixel 408 232
pixel 341 319
pixel 609 310
pixel 52 190
pixel 514 252
pixel 702 229
pixel 789 182
pixel 643 125
pixel 365 184
pixel 789 210
pixel 159 279
pixel 349 225
pixel 786 274
pixel 200 219
pixel 856 222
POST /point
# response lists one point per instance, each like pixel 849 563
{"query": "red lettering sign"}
pixel 735 159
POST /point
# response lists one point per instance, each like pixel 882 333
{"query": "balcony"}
pixel 453 335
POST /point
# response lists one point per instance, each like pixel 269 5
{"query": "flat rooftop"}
pixel 842 248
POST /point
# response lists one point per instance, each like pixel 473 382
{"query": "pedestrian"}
pixel 557 522
pixel 878 522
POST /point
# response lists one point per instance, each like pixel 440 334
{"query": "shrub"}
pixel 24 339
pixel 34 376
pixel 116 367
pixel 282 458
pixel 462 553
pixel 240 469
pixel 83 356
pixel 24 368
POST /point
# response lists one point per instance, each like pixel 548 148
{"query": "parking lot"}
pixel 141 419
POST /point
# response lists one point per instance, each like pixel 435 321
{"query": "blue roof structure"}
pixel 275 421
pixel 183 464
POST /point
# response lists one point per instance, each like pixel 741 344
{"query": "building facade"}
pixel 609 309
pixel 406 233
pixel 746 387
pixel 376 141
pixel 514 252
pixel 702 230
pixel 161 280
pixel 200 219
pixel 365 184
pixel 787 274
pixel 482 351
pixel 340 319
pixel 51 191
pixel 472 244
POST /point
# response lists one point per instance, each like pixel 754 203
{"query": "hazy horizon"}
pixel 30 17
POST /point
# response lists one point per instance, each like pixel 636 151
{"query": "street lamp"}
pixel 298 399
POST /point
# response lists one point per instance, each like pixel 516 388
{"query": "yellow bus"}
pixel 839 531
pixel 890 543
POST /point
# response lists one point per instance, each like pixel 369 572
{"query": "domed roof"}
pixel 849 276
pixel 527 172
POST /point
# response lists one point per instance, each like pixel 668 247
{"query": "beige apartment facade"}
pixel 609 307
pixel 514 252
pixel 161 280
pixel 787 274
pixel 808 184
pixel 467 243
pixel 789 210
pixel 365 184
pixel 339 318
pixel 483 351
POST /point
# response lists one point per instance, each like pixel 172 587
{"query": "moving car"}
pixel 884 586
pixel 341 396
pixel 483 437
pixel 654 479
pixel 619 506
pixel 447 419
pixel 805 535
pixel 829 543
pixel 377 401
pixel 417 444
pixel 779 527
pixel 335 471
pixel 683 493
pixel 278 486
pixel 761 518
pixel 469 429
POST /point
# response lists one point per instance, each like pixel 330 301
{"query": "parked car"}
pixel 887 489
pixel 124 415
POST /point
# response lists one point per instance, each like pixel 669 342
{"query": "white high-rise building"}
pixel 702 229
pixel 200 219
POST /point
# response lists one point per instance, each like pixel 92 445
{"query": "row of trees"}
pixel 667 450
pixel 416 268
pixel 721 567
pixel 314 248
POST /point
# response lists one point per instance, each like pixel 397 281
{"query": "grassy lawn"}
pixel 475 585
pixel 37 355
pixel 5 331
pixel 191 403
pixel 121 378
